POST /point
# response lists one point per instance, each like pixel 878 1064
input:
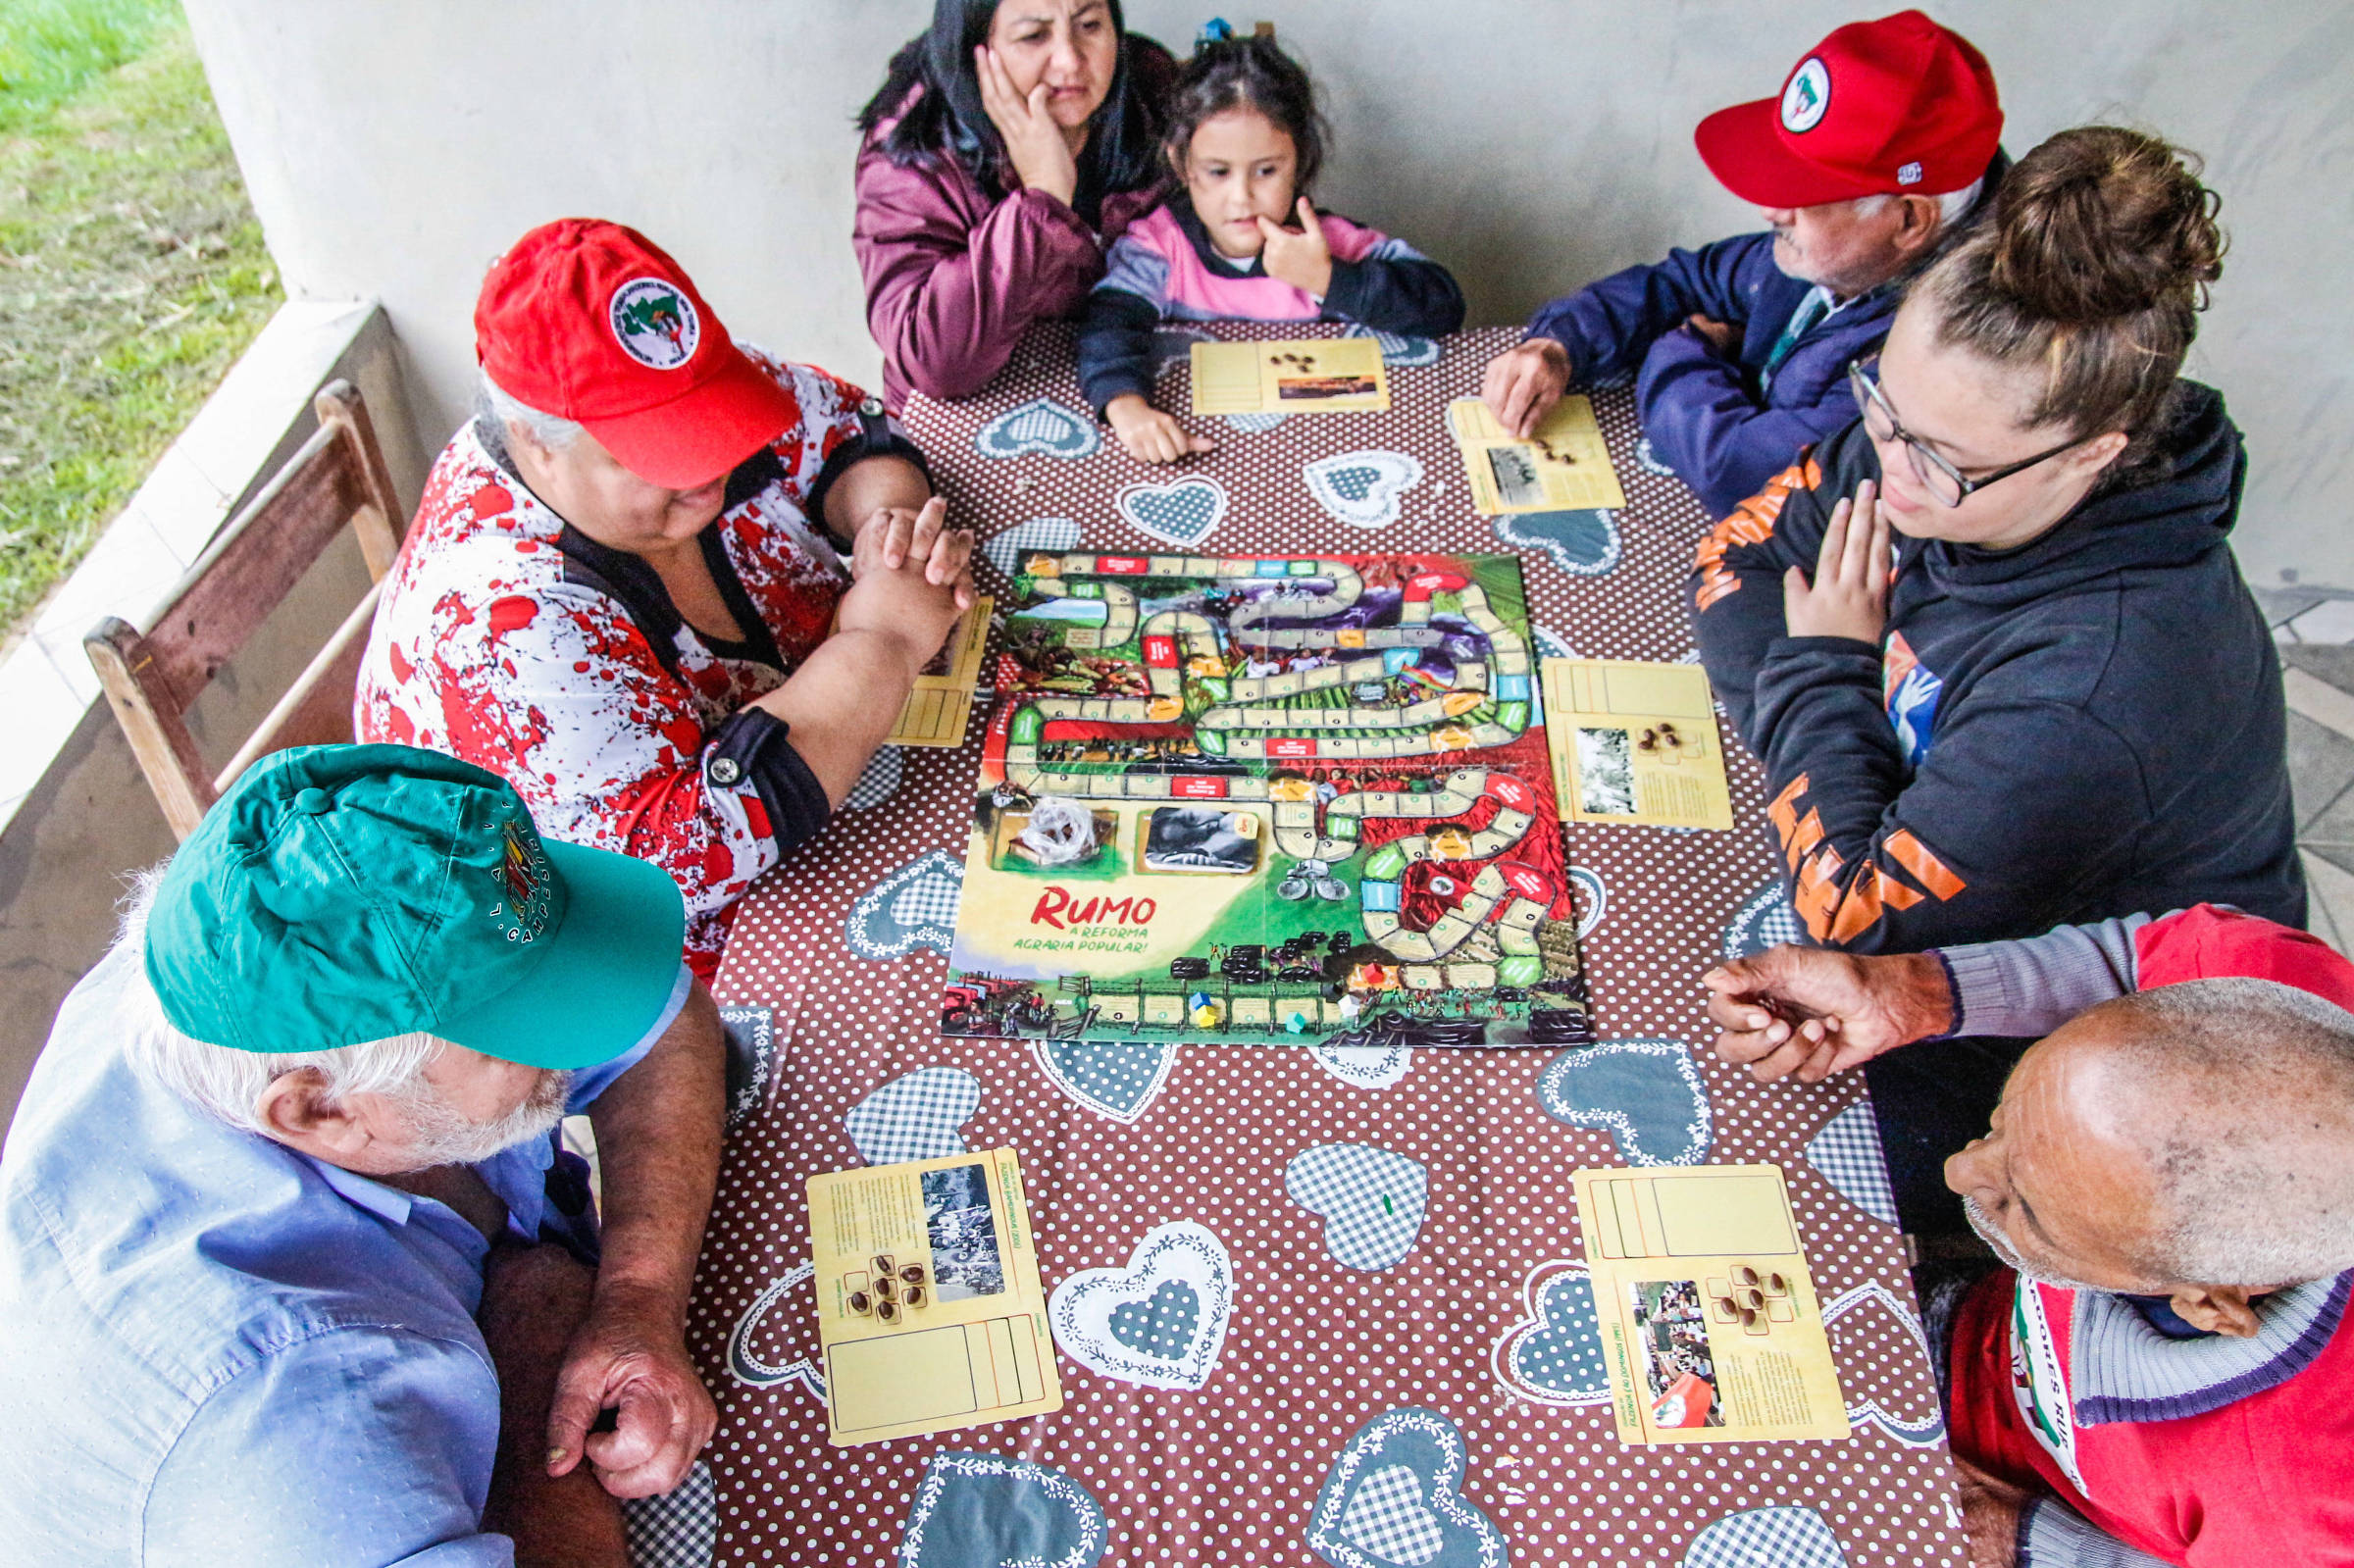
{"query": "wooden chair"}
pixel 337 480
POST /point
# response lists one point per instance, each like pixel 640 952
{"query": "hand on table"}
pixel 1042 159
pixel 1849 597
pixel 923 536
pixel 1817 1011
pixel 1151 435
pixel 1524 383
pixel 630 1356
pixel 1299 256
pixel 1722 337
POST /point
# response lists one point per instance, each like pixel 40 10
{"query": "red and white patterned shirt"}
pixel 511 639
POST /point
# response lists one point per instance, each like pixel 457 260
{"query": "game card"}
pixel 1564 466
pixel 942 703
pixel 930 1315
pixel 1316 375
pixel 1711 1328
pixel 1636 742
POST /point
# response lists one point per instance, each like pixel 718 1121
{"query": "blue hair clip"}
pixel 1217 29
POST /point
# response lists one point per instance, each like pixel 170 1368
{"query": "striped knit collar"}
pixel 2125 1370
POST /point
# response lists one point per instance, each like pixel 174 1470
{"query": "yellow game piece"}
pixel 1206 1016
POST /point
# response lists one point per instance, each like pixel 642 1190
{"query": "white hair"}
pixel 1951 205
pixel 2242 1092
pixel 228 1083
pixel 551 430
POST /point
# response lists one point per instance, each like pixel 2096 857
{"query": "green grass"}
pixel 132 269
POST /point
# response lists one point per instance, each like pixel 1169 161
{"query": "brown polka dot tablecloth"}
pixel 1297 1379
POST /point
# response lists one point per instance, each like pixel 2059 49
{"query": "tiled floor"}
pixel 2321 772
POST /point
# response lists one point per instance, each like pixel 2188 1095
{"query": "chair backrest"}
pixel 336 480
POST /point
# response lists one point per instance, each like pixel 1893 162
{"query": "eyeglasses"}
pixel 1939 478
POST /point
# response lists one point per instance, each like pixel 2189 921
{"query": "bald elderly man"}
pixel 290 1270
pixel 2161 1371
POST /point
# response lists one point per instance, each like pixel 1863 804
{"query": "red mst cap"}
pixel 1898 106
pixel 593 321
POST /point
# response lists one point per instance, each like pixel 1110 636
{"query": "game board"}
pixel 1242 799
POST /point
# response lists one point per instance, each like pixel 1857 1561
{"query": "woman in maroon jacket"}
pixel 1010 143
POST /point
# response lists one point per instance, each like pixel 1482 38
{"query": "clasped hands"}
pixel 912 575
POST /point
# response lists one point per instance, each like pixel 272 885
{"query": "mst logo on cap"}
pixel 524 880
pixel 1807 96
pixel 655 324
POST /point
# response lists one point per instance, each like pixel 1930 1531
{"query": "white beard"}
pixel 439 1136
pixel 1990 1233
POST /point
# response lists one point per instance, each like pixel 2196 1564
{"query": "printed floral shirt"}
pixel 509 639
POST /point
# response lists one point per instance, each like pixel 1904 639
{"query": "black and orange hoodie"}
pixel 2086 726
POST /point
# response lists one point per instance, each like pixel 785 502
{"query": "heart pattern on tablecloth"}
pixel 914 906
pixel 1393 1497
pixel 674 1529
pixel 1007 551
pixel 752 1045
pixel 1591 896
pixel 1254 424
pixel 1847 1152
pixel 1782 1537
pixel 1554 1354
pixel 1649 460
pixel 982 1510
pixel 1398 348
pixel 1181 513
pixel 877 781
pixel 1372 1200
pixel 1367 1067
pixel 1174 345
pixel 1645 1092
pixel 916 1116
pixel 1117 1079
pixel 1584 543
pixel 1363 488
pixel 747 1366
pixel 1122 1322
pixel 1551 644
pixel 1763 919
pixel 1042 426
pixel 1850 1316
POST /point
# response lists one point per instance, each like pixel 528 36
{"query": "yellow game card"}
pixel 1318 375
pixel 1635 743
pixel 1565 465
pixel 943 699
pixel 1711 1328
pixel 930 1315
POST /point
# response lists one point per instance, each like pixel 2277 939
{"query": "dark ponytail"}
pixel 2095 266
pixel 946 116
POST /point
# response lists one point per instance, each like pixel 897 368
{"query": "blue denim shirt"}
pixel 214 1350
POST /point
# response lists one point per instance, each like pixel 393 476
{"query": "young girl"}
pixel 1244 141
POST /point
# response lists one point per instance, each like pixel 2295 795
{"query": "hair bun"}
pixel 2101 222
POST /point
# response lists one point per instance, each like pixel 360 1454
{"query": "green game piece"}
pixel 1520 969
pixel 1296 1024
pixel 1387 865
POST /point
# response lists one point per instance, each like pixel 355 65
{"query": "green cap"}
pixel 346 894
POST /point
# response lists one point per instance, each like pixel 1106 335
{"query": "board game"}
pixel 1241 799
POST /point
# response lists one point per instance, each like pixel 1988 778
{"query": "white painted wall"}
pixel 392 147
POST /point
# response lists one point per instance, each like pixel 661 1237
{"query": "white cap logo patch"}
pixel 1807 96
pixel 1909 174
pixel 654 323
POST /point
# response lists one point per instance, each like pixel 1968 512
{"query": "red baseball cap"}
pixel 592 320
pixel 1895 106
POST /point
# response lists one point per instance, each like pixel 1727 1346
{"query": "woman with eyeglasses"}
pixel 1990 639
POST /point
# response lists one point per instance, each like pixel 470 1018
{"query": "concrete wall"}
pixel 393 148
pixel 91 819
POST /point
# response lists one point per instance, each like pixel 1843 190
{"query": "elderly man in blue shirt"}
pixel 284 1274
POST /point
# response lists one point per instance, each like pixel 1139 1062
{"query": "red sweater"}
pixel 2210 1452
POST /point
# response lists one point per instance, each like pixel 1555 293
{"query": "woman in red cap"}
pixel 1010 143
pixel 625 594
